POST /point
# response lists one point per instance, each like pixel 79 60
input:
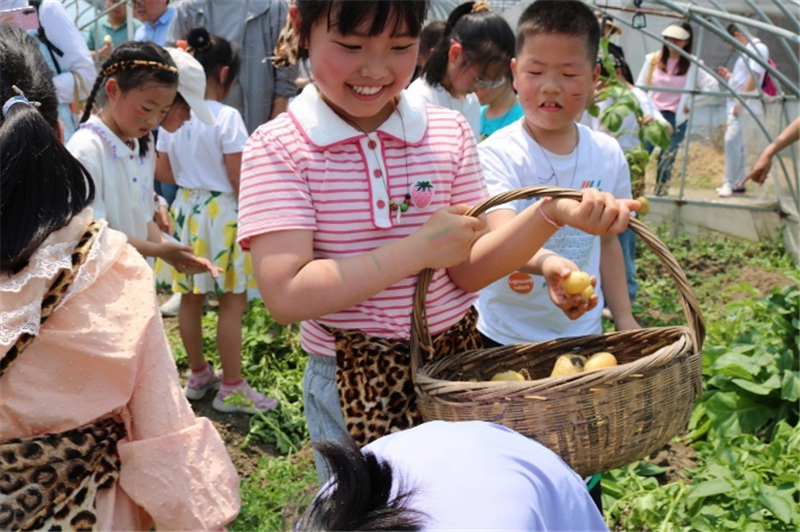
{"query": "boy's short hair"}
pixel 732 29
pixel 567 17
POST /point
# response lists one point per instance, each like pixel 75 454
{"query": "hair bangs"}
pixel 404 17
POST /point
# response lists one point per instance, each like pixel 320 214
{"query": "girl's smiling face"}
pixel 134 113
pixel 359 75
pixel 554 78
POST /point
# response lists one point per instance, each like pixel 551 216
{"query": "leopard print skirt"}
pixel 50 482
pixel 374 378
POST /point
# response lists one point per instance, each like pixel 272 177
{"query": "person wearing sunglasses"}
pixel 473 54
pixel 500 106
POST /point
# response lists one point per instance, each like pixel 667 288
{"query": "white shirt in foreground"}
pixel 475 475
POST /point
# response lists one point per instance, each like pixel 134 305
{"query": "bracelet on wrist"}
pixel 547 219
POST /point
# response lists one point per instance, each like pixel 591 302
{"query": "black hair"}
pixel 214 52
pixel 486 38
pixel 347 17
pixel 431 34
pixel 619 62
pixel 42 186
pixel 121 66
pixel 359 496
pixel 732 29
pixel 683 62
pixel 567 17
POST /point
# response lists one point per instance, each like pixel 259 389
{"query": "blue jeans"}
pixel 166 190
pixel 666 159
pixel 627 240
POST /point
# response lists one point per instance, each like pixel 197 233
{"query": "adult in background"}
pixel 262 91
pixel 156 16
pixel 114 25
pixel 747 74
pixel 668 69
pixel 65 52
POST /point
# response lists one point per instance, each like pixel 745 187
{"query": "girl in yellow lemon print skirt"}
pixel 204 160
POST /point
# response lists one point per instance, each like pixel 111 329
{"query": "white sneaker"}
pixel 171 306
pixel 725 191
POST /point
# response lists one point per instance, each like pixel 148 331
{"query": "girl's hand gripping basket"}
pixel 596 421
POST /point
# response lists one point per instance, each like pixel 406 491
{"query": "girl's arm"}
pixel 176 254
pixel 164 168
pixel 509 247
pixel 233 166
pixel 553 267
pixel 297 287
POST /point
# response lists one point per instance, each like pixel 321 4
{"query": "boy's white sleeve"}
pixel 231 130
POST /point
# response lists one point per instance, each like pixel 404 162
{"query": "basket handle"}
pixel 420 334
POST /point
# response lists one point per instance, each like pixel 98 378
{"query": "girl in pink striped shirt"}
pixel 345 198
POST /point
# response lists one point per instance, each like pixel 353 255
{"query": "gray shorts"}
pixel 322 407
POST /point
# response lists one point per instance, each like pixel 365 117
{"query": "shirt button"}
pixel 380 204
pixel 377 173
pixel 372 144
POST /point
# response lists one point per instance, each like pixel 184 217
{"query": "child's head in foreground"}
pixel 363 54
pixel 555 68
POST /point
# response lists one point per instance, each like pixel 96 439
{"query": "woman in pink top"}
pixel 669 69
pixel 345 198
pixel 95 432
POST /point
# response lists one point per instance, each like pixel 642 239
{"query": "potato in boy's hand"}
pixel 598 213
pixel 557 272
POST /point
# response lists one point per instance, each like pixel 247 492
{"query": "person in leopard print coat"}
pixel 95 433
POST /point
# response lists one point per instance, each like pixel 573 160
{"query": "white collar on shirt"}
pixel 118 147
pixel 324 127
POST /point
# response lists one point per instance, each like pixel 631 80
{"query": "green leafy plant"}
pixel 622 103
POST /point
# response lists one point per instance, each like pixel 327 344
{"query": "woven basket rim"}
pixel 666 355
pixel 420 334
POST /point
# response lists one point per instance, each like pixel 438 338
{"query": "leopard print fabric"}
pixel 285 53
pixel 56 293
pixel 374 378
pixel 49 482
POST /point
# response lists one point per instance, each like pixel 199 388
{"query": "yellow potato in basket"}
pixel 509 376
pixel 568 365
pixel 600 360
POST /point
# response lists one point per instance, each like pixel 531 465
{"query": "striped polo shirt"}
pixel 310 170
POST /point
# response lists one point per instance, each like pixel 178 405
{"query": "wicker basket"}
pixel 595 421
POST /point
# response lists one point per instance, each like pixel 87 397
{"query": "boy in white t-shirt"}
pixel 555 73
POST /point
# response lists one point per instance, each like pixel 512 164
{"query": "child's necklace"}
pixel 394 207
pixel 554 175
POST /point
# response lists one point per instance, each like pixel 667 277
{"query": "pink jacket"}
pixel 104 352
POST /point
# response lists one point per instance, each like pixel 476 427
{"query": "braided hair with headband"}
pixel 133 64
pixel 42 186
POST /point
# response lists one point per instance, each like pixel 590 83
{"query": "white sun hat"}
pixel 676 32
pixel 192 83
